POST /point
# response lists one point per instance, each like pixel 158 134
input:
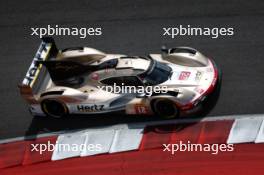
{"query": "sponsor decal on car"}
pixel 199 90
pixel 184 75
pixel 95 76
pixel 198 76
pixel 90 108
pixel 141 109
pixel 35 66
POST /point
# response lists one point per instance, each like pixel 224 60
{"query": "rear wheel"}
pixel 165 108
pixel 54 108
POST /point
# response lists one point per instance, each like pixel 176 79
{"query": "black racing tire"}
pixel 164 108
pixel 54 108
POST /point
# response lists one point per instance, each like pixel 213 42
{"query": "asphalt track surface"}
pixel 134 28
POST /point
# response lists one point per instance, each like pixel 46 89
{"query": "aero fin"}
pixel 62 70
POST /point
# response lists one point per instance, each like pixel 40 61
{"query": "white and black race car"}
pixel 69 81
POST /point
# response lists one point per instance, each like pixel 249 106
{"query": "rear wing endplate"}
pixel 46 50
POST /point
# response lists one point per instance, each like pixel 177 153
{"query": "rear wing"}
pixel 36 74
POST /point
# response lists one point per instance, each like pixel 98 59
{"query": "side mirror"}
pixel 164 49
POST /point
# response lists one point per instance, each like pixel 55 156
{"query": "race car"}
pixel 70 81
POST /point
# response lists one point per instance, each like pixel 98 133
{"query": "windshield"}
pixel 158 74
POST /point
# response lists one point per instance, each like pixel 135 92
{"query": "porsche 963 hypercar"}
pixel 63 82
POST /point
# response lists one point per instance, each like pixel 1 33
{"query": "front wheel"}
pixel 54 108
pixel 165 108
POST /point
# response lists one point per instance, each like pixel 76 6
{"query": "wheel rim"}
pixel 166 108
pixel 54 108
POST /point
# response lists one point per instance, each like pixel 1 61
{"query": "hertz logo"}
pixel 90 108
pixel 35 66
